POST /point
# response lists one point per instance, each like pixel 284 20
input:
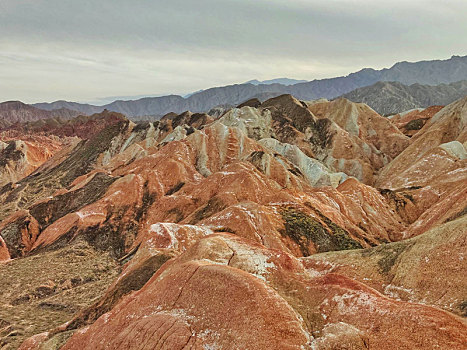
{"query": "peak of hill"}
pixel 427 72
pixel 283 81
pixel 83 108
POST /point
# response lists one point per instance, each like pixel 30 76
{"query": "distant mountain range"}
pixel 424 72
pixel 392 97
pixel 283 81
pixel 109 99
pixel 12 112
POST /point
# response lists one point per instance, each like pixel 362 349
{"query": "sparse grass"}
pixel 41 292
pixel 388 255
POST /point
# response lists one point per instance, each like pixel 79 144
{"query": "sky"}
pixel 83 50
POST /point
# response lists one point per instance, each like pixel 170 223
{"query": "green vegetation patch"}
pixel 322 133
pixel 224 229
pixel 415 124
pixel 325 234
pixel 400 200
pixel 175 189
pixel 463 308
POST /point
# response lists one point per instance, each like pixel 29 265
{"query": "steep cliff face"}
pixel 257 229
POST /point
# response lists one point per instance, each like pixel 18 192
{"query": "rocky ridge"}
pixel 393 97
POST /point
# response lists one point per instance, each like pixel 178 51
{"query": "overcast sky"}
pixel 82 50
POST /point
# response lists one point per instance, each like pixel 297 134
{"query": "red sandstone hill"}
pixel 280 225
pixel 26 146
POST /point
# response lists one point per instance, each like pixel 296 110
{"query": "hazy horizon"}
pixel 87 51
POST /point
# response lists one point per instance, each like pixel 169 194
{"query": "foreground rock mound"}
pixel 227 293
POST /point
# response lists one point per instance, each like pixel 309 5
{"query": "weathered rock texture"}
pixel 427 182
pixel 276 225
